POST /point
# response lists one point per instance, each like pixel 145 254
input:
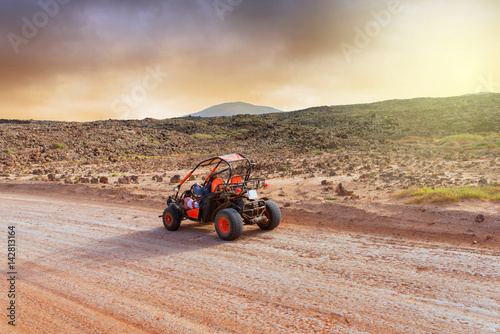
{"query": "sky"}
pixel 84 60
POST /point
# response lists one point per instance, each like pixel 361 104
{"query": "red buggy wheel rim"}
pixel 223 225
pixel 167 219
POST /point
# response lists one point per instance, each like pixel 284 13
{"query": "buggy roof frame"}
pixel 228 159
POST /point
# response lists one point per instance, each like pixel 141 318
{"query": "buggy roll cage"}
pixel 217 161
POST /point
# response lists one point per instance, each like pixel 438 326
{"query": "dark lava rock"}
pixel 124 180
pixel 38 172
pixel 341 191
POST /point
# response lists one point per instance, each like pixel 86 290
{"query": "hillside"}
pixel 396 119
pixel 376 127
pixel 235 108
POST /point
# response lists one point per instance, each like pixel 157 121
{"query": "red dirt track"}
pixel 88 267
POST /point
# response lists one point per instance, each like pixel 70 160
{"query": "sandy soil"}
pixel 108 266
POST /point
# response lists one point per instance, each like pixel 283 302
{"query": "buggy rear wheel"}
pixel 170 222
pixel 228 224
pixel 273 215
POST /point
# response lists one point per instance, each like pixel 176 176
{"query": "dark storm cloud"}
pixel 92 33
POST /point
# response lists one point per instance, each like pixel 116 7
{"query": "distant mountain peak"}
pixel 235 108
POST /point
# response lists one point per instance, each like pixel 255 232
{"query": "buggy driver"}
pixel 197 192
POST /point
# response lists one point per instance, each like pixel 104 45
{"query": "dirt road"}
pixel 103 268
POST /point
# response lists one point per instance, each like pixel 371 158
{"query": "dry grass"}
pixel 446 194
pixel 471 142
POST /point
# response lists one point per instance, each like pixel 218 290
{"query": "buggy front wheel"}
pixel 170 222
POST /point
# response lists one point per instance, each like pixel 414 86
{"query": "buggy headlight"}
pixel 176 190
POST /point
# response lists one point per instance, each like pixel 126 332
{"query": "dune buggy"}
pixel 227 196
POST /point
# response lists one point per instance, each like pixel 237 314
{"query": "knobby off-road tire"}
pixel 228 224
pixel 170 222
pixel 273 215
